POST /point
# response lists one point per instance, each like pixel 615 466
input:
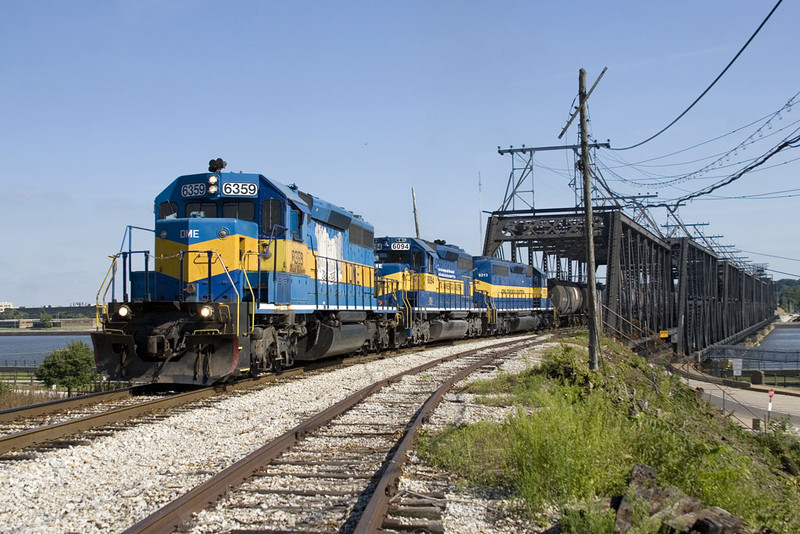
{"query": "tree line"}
pixel 787 293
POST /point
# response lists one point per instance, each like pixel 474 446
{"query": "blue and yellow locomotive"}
pixel 444 293
pixel 248 275
pixel 431 287
pixel 514 295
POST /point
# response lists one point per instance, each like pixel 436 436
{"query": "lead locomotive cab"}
pixel 246 275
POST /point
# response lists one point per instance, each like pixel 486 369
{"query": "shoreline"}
pixel 47 332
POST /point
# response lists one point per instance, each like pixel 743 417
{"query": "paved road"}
pixel 749 404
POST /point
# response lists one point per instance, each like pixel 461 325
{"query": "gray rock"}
pixel 675 511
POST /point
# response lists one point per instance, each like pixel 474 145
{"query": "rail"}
pixel 44 434
pixel 376 508
pixel 170 516
pixel 69 403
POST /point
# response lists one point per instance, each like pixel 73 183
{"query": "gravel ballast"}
pixel 468 510
pixel 117 480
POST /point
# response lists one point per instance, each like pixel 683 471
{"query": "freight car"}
pixel 570 302
pixel 249 275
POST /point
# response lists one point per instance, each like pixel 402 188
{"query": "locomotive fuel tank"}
pixel 525 323
pixel 443 330
pixel 332 341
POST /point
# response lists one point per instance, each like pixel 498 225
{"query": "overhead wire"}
pixel 771 255
pixel 787 143
pixel 679 117
pixel 788 105
pixel 781 272
pixel 759 132
pixel 718 163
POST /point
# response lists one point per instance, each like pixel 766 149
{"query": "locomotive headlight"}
pixel 212 189
pixel 206 312
pixel 212 180
pixel 123 312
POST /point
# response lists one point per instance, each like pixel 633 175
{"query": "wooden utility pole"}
pixel 594 338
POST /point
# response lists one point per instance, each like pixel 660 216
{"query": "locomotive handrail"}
pixel 360 292
pixel 491 310
pixel 210 254
pixel 128 235
pixel 250 286
pixel 238 296
pixel 112 271
pixel 516 299
pixel 97 302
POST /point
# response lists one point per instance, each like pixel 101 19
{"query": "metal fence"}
pixel 756 358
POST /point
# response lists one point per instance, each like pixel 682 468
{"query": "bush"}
pixel 70 368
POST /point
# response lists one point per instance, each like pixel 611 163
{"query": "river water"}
pixel 29 351
pixel 782 339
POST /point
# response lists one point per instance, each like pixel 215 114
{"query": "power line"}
pixel 752 138
pixel 788 143
pixel 770 255
pixel 781 272
pixel 787 107
pixel 661 180
pixel 710 86
pixel 760 196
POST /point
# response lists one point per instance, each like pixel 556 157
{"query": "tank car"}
pixel 570 301
pixel 246 275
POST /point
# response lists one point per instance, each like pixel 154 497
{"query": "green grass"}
pixel 576 434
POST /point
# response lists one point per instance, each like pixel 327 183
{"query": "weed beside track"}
pixel 575 435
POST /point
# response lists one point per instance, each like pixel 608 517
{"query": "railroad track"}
pixel 334 472
pixel 15 420
pixel 74 421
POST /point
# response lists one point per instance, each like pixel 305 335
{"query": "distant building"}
pixel 5 305
pixel 58 312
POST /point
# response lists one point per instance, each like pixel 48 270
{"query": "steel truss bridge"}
pixel 653 284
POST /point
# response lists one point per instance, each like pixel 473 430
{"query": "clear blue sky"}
pixel 105 102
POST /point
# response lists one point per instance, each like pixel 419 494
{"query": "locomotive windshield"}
pixel 414 258
pixel 167 210
pixel 200 209
pixel 392 256
pixel 243 210
pixel 271 216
